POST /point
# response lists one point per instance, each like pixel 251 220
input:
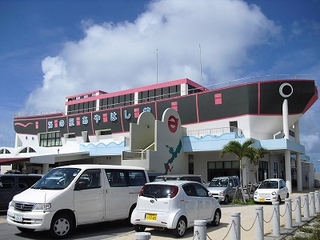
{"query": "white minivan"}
pixel 73 195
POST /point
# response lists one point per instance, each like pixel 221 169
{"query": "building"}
pixel 173 127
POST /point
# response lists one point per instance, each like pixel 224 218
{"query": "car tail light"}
pixel 174 191
pixel 142 190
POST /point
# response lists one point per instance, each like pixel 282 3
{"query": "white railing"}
pixel 305 209
pixel 214 131
pixel 136 154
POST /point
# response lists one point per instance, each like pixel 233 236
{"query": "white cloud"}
pixel 310 130
pixel 311 142
pixel 115 56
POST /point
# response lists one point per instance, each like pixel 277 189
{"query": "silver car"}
pixel 223 188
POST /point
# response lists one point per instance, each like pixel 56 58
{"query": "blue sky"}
pixel 53 49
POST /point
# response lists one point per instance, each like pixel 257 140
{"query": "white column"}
pixel 45 168
pixel 285 119
pixel 288 171
pixel 299 172
pixel 298 156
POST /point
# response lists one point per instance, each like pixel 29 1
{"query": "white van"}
pixel 73 195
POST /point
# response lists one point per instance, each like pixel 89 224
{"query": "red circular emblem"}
pixel 173 123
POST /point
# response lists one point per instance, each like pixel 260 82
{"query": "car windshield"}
pixel 219 183
pixel 269 184
pixel 58 178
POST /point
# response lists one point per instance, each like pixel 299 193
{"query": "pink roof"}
pixel 132 90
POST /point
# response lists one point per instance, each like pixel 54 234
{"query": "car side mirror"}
pixel 81 185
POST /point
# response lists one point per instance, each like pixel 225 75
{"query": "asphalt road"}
pixel 119 230
pixel 106 230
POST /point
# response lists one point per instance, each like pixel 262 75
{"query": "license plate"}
pixel 18 217
pixel 152 217
pixel 261 200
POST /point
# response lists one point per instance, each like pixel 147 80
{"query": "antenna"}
pixel 200 63
pixel 157 66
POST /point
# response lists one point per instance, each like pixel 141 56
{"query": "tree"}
pixel 254 156
pixel 241 151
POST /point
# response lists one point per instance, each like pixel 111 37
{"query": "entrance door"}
pixel 191 164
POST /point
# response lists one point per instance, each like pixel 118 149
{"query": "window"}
pixel 26 182
pixel 223 168
pixel 70 135
pixel 190 190
pixel 159 191
pixel 136 178
pixel 218 99
pixel 192 89
pixel 195 190
pixel 233 126
pixel 58 178
pixel 116 178
pixel 124 178
pixel 275 170
pixel 174 105
pixel 201 191
pixel 85 136
pixel 4 151
pixel 50 139
pixel 25 150
pixel 105 132
pixel 263 170
pixel 91 178
pixel 6 182
pixel 31 150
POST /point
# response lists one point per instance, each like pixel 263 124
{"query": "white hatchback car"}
pixel 270 190
pixel 174 205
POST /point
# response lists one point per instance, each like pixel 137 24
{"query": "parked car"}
pixel 223 188
pixel 182 177
pixel 73 195
pixel 269 190
pixel 174 205
pixel 152 175
pixel 12 184
pixel 13 171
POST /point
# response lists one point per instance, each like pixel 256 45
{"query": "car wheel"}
pixel 25 230
pixel 61 226
pixel 139 228
pixel 287 195
pixel 180 230
pixel 128 220
pixel 216 218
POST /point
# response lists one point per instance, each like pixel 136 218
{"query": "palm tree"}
pixel 254 156
pixel 241 150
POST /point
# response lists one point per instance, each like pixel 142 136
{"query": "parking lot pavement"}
pixel 247 220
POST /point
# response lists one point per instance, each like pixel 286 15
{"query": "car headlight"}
pixel 274 193
pixel 255 193
pixel 11 204
pixel 221 193
pixel 42 206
